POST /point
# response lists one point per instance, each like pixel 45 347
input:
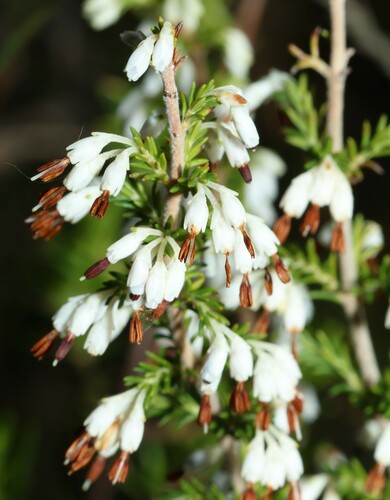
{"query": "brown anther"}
pixel 263 418
pixel 228 271
pixel 239 100
pixel 269 495
pixel 188 249
pixel 268 282
pixel 77 445
pixel 294 492
pixel 298 402
pixel 134 297
pixel 263 322
pixel 119 470
pixel 41 348
pixel 280 269
pixel 246 173
pixel 95 470
pixel 247 241
pixel 376 478
pixel 246 299
pixel 311 221
pixel 83 458
pixel 337 243
pixel 136 329
pixel 53 169
pixel 51 197
pixel 160 309
pixel 294 344
pixel 100 205
pixel 46 224
pixel 96 269
pixel 282 227
pixel 239 400
pixel 292 418
pixel 64 347
pixel 109 438
pixel 249 493
pixel 204 416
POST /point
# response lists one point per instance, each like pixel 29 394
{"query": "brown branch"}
pixel 172 206
pixel 353 306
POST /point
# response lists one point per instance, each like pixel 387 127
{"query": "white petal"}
pixel 139 60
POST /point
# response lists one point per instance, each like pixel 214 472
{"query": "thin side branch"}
pixel 353 306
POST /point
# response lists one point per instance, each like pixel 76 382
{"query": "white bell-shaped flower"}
pixel 197 213
pixel 129 243
pixel 252 467
pixel 175 277
pixel 212 369
pixel 115 174
pixel 240 359
pixel 139 60
pixel 75 206
pixel 163 50
pixel 155 285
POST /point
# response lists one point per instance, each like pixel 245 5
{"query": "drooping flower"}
pixel 158 47
pixel 116 424
pixel 323 185
pixel 376 478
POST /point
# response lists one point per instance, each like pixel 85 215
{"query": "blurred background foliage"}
pixel 60 80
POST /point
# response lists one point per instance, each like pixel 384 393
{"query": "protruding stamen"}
pixel 263 322
pixel 74 449
pixel 298 402
pixel 100 205
pixel 64 348
pixel 246 173
pixel 188 249
pixel 293 421
pixel 263 418
pixel 268 282
pixel 136 330
pixel 239 400
pixel 120 469
pixel 52 170
pixel 282 227
pixel 228 271
pixel 98 268
pixel 205 416
pixel 41 348
pixel 246 299
pixel 295 491
pixel 160 309
pixel 45 224
pixel 247 241
pixel 50 198
pixel 280 269
pixel 83 458
pixel 337 243
pixel 94 472
pixel 376 479
pixel 249 493
pixel 311 221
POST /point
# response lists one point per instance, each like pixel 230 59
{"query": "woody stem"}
pixel 352 304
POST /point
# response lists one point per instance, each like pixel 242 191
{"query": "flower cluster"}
pixel 323 185
pixel 117 424
pixel 232 131
pixel 86 190
pixel 155 279
pixel 235 232
pixel 275 376
pixel 225 343
pixel 100 316
pixel 272 459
